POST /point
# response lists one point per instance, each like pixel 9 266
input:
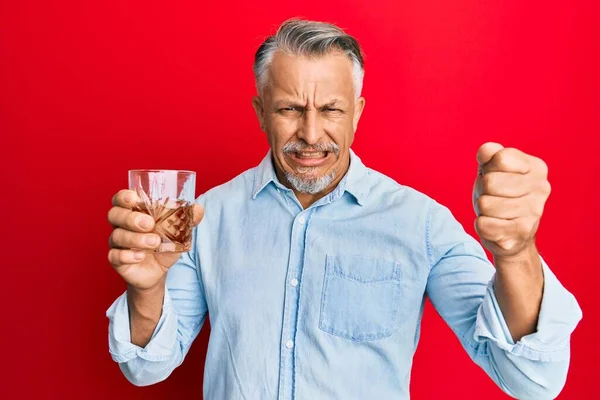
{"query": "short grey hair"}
pixel 308 39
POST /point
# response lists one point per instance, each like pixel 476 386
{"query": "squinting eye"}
pixel 290 109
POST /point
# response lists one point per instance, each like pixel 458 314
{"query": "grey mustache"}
pixel 300 146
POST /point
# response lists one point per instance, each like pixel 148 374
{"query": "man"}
pixel 314 268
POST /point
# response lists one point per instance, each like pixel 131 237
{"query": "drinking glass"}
pixel 168 197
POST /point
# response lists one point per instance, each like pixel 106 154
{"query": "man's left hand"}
pixel 509 195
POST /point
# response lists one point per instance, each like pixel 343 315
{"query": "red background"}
pixel 88 91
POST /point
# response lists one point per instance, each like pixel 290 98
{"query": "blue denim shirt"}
pixel 326 302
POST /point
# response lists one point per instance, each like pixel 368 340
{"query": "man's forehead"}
pixel 291 74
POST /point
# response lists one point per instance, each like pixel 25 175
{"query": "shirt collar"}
pixel 355 179
pixel 265 173
pixel 351 183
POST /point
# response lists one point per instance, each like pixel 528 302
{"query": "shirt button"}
pixel 301 219
pixel 294 282
pixel 289 344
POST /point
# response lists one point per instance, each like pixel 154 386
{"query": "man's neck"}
pixel 307 199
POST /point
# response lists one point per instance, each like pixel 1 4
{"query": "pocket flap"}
pixel 363 269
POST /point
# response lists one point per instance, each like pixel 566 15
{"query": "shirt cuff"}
pixel 160 347
pixel 558 317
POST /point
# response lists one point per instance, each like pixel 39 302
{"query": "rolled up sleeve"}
pixel 558 317
pixel 119 335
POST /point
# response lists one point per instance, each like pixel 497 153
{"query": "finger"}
pixel 198 214
pixel 124 239
pixel 508 160
pixel 503 184
pixel 539 167
pixel 117 257
pixel 487 151
pixel 125 198
pixel 502 207
pixel 130 220
pixel 495 229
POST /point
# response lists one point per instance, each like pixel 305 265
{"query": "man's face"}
pixel 309 111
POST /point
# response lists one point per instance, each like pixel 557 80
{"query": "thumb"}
pixel 198 214
pixel 487 151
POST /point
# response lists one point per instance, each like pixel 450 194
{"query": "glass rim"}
pixel 184 171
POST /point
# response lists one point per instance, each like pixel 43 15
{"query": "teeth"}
pixel 311 154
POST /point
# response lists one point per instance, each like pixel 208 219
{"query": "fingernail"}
pixel 151 240
pixel 144 222
pixel 138 256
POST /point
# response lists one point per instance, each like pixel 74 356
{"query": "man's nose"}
pixel 310 129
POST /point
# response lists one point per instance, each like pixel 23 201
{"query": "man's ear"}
pixel 258 109
pixel 358 109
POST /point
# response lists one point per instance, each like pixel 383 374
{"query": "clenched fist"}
pixel 509 195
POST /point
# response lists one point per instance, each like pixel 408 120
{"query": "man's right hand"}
pixel 132 234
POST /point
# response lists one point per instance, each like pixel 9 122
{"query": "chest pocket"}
pixel 361 297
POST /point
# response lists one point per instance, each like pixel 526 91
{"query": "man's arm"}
pixel 150 336
pixel 462 286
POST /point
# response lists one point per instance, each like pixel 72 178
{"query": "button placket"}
pixel 290 319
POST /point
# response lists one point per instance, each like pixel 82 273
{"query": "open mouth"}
pixel 309 158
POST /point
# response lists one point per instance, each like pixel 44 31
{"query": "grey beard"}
pixel 308 185
pixel 301 183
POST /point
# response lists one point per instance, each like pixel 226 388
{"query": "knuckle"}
pixel 118 237
pixel 481 226
pixel 547 188
pixel 488 182
pixel 483 203
pixel 113 215
pixel 542 166
pixel 543 186
pixel 112 256
pixel 112 239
